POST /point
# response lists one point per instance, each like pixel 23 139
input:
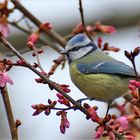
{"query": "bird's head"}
pixel 79 46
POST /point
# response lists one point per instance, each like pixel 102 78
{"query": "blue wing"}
pixel 108 67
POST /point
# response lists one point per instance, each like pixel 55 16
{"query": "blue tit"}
pixel 96 74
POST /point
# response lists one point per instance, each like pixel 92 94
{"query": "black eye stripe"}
pixel 78 47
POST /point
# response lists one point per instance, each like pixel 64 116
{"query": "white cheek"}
pixel 75 55
pixel 79 53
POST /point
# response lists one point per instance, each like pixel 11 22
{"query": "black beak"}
pixel 63 52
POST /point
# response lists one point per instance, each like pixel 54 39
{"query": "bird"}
pixel 95 73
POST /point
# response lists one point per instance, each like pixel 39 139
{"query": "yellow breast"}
pixel 102 87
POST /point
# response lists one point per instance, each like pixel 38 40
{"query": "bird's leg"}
pixel 82 99
pixel 106 118
pixel 108 107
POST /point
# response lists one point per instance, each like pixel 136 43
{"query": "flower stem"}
pixel 6 100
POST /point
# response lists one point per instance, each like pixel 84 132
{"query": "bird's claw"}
pixel 79 101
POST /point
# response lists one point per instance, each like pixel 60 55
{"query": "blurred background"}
pixel 64 15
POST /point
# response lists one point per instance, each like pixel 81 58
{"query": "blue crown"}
pixel 77 39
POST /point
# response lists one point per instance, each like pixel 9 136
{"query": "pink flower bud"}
pixel 4 79
pixel 21 62
pixel 99 132
pixel 65 88
pixel 122 122
pixel 129 137
pixel 46 26
pixel 37 112
pixel 62 128
pixel 31 45
pixel 34 106
pixel 136 51
pixel 136 111
pixel 99 41
pixel 127 54
pixel 47 111
pixel 114 49
pixel 78 28
pixel 4 29
pixel 39 80
pixel 132 88
pixel 93 115
pixel 64 121
pixel 40 51
pixel 89 29
pixel 49 101
pixel 62 99
pixel 38 108
pixel 111 135
pixel 18 123
pixel 60 96
pixel 135 83
pixel 105 28
pixel 33 38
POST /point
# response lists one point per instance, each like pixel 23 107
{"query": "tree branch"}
pixel 82 19
pixel 49 43
pixel 37 59
pixel 6 100
pixel 48 81
pixel 51 33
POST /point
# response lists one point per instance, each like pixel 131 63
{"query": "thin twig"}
pixel 19 27
pixel 64 109
pixel 28 25
pixel 20 19
pixel 48 81
pixel 51 33
pixel 135 70
pixel 82 19
pixel 11 64
pixel 44 42
pixel 9 113
pixel 60 60
pixel 37 58
pixel 118 135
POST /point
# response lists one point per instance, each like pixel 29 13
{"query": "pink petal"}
pixel 99 132
pixel 123 123
pixel 94 117
pixel 47 25
pixel 99 40
pixel 129 137
pixel 4 29
pixel 66 123
pixel 135 83
pixel 62 128
pixel 4 78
